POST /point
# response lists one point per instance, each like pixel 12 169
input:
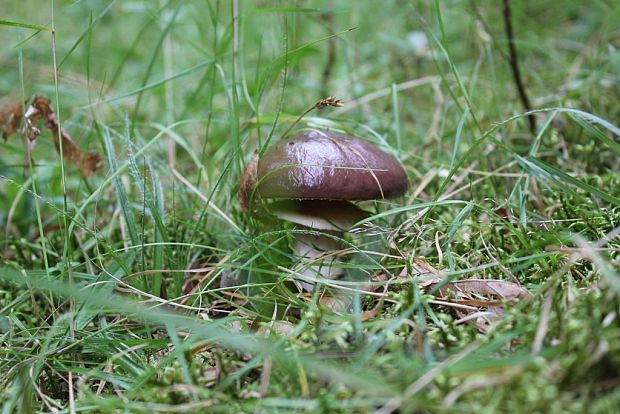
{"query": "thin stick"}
pixel 514 65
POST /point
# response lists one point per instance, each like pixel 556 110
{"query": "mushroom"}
pixel 314 176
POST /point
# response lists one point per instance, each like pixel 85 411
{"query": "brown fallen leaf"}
pixel 426 273
pixel 88 163
pixel 40 109
pixel 485 298
pixel 336 303
pixel 498 288
pixel 278 328
pixel 10 118
pixel 506 214
pixel 370 314
pixel 480 302
pixel 486 295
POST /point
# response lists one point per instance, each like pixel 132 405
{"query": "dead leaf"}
pixel 41 109
pixel 279 328
pixel 425 267
pixel 498 288
pixel 338 303
pixel 370 314
pixel 480 302
pixel 88 163
pixel 426 273
pixel 488 296
pixel 505 214
pixel 485 298
pixel 10 118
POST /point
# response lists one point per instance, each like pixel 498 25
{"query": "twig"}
pixel 514 65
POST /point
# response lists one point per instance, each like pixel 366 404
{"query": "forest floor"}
pixel 131 280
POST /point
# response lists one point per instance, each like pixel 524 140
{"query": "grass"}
pixel 110 286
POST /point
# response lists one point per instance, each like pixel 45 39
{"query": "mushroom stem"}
pixel 318 256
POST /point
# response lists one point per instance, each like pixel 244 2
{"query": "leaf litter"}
pixel 480 302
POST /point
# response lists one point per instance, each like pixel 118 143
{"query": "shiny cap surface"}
pixel 326 165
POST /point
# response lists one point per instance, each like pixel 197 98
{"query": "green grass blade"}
pixel 574 181
pixel 12 23
pixel 120 190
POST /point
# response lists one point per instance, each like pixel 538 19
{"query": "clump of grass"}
pixel 146 288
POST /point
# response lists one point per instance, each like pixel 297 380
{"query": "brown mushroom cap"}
pixel 329 166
